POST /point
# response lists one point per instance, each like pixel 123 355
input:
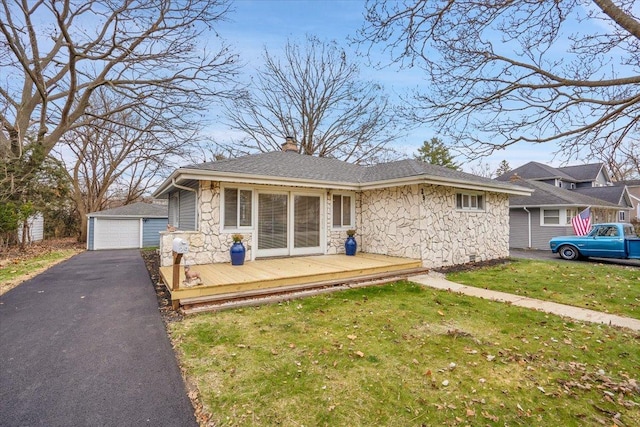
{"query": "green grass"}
pixel 404 355
pixel 607 288
pixel 15 270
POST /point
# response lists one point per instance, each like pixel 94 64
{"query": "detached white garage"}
pixel 132 226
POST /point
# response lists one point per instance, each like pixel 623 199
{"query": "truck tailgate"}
pixel 633 247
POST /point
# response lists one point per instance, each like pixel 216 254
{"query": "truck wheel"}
pixel 568 252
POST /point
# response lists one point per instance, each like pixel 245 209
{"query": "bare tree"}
pixel 499 73
pixel 314 94
pixel 623 162
pixel 119 157
pixel 481 168
pixel 150 54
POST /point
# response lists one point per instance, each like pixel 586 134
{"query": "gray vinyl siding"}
pixel 518 228
pixel 90 231
pixel 151 228
pixel 184 216
pixel 187 220
pixel 540 236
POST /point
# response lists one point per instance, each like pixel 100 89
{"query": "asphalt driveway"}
pixel 83 344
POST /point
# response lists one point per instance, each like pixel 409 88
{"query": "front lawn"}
pixel 608 288
pixel 404 355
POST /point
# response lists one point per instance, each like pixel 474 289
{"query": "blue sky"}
pixel 255 24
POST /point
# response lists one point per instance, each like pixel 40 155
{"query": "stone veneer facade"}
pixel 416 221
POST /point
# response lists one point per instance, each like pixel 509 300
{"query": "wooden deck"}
pixel 281 273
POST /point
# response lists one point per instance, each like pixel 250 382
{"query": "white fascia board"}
pixel 466 185
pixel 194 174
pixel 566 205
pixel 166 185
pixel 93 215
pixel 265 180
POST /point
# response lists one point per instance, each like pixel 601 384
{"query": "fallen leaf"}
pixel 359 353
pixel 471 412
pixel 440 313
pixel 352 337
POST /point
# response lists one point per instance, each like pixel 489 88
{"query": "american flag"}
pixel 582 223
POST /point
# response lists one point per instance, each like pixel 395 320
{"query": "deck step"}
pixel 285 293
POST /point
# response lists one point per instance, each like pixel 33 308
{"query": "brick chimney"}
pixel 515 177
pixel 290 145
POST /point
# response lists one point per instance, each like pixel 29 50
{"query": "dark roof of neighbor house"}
pixel 291 166
pixel 549 195
pixel 612 194
pixel 537 171
pixel 139 210
pixel 628 183
pixel 583 173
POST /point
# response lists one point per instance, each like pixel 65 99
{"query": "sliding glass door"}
pixel 289 224
pixel 273 224
pixel 306 224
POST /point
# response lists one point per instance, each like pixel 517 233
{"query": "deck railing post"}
pixel 177 257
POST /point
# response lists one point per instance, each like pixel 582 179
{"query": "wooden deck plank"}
pixel 272 273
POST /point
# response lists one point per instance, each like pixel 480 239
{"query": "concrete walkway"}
pixel 438 281
pixel 83 344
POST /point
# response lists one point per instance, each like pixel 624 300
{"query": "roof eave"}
pixel 196 174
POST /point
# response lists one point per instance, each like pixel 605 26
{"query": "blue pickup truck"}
pixel 613 240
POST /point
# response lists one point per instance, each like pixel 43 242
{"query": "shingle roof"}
pixel 588 172
pixel 285 165
pixel 628 183
pixel 612 194
pixel 140 210
pixel 298 166
pixel 549 195
pixel 535 170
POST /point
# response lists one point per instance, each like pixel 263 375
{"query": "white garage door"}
pixel 116 233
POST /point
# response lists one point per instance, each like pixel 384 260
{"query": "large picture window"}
pixel 343 211
pixel 470 201
pixel 237 208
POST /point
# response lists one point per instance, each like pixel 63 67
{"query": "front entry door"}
pixel 289 224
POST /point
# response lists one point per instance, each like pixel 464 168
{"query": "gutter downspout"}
pixel 529 224
pixel 193 190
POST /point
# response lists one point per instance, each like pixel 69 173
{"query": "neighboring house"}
pixel 534 220
pixel 633 188
pixel 137 225
pixel 288 204
pixel 559 194
pixel 35 229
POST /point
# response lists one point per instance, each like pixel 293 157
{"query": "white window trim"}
pixel 254 202
pixel 622 216
pixel 175 207
pixel 562 216
pixel 353 210
pixel 471 209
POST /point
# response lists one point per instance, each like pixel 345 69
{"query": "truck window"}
pixel 608 231
pixel 629 231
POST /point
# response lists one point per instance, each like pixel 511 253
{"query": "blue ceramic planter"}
pixel 237 252
pixel 350 246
